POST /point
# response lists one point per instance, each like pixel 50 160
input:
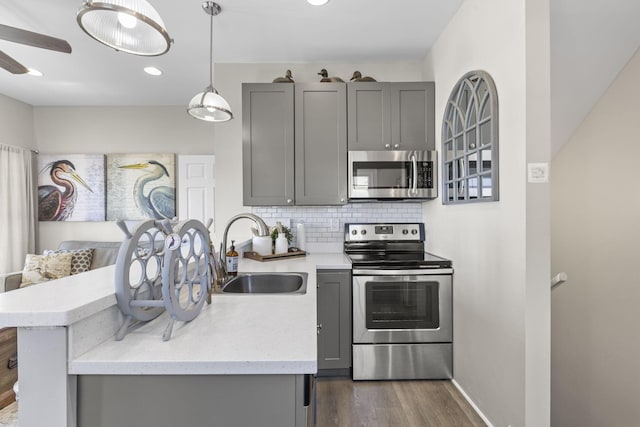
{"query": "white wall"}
pixel 595 235
pixel 500 249
pixel 169 129
pixel 16 123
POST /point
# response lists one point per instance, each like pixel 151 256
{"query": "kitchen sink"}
pixel 267 283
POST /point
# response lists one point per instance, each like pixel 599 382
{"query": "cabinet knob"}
pixel 387 146
pixel 319 327
pixel 342 200
pixel 289 200
pixel 396 146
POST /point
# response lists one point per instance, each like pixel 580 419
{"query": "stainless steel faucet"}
pixel 263 230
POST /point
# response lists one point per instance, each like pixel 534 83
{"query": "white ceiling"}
pixel 287 31
pixel 591 40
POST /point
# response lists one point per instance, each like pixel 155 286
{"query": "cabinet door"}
pixel 413 116
pixel 334 319
pixel 369 110
pixel 267 144
pixel 321 144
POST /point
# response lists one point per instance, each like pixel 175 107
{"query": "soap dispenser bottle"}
pixel 232 260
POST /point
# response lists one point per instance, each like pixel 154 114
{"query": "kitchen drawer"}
pixel 8 376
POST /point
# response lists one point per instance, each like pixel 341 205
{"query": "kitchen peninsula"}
pixel 244 358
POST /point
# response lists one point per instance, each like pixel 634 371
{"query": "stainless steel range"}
pixel 402 304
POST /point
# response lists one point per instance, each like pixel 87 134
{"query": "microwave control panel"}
pixel 425 174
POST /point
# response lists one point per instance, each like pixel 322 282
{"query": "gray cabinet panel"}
pixel 413 116
pixel 267 144
pixel 191 400
pixel 369 109
pixel 391 116
pixel 334 319
pixel 320 144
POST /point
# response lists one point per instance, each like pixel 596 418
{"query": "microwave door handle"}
pixel 414 165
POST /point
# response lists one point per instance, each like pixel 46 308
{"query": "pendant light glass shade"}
pixel 210 106
pixel 131 26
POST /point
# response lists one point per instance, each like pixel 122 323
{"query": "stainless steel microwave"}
pixel 401 175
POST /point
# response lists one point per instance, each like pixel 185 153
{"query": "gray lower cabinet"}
pixel 195 400
pixel 334 322
pixel 299 161
pixel 391 116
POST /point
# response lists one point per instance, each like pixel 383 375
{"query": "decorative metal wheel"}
pixel 186 276
pixel 139 271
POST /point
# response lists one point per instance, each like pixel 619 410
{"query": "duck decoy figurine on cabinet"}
pixel 326 78
pixel 357 76
pixel 288 78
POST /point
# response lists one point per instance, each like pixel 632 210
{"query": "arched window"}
pixel 470 141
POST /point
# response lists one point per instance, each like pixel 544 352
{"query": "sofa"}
pixel 104 253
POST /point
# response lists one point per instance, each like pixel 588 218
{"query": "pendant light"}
pixel 209 105
pixel 131 26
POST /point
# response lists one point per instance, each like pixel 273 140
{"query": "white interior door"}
pixel 196 185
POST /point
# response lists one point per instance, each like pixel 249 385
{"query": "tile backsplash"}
pixel 324 225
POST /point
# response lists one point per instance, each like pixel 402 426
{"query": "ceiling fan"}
pixel 28 38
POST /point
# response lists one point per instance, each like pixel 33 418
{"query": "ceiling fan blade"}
pixel 30 38
pixel 11 65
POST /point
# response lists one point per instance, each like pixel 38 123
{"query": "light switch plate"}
pixel 538 172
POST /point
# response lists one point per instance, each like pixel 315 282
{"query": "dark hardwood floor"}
pixel 345 403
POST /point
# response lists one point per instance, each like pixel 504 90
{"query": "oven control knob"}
pixel 405 231
pixel 354 232
pixel 363 232
pixel 414 231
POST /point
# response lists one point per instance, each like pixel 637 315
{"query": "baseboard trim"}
pixel 472 403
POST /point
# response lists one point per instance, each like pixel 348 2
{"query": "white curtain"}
pixel 18 207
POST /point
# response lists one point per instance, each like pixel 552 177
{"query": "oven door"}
pixel 402 308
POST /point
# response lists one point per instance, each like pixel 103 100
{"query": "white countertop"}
pixel 236 334
pixel 59 302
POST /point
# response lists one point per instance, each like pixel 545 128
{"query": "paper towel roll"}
pixel 301 237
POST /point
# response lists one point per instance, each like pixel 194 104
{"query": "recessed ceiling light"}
pixel 152 71
pixel 317 2
pixel 34 72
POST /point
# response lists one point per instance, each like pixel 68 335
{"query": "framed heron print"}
pixel 141 186
pixel 71 187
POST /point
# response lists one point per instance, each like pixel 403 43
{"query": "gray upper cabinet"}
pixel 391 116
pixel 369 109
pixel 321 144
pixel 267 144
pixel 299 161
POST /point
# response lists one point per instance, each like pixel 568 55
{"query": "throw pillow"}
pixel 80 258
pixel 42 268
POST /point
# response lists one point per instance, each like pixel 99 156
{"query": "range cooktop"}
pixel 389 246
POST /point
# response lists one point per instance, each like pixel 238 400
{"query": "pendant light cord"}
pixel 211 49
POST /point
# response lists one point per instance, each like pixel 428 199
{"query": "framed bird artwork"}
pixel 71 187
pixel 141 186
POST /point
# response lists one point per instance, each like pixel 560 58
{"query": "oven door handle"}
pixel 414 169
pixel 414 272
